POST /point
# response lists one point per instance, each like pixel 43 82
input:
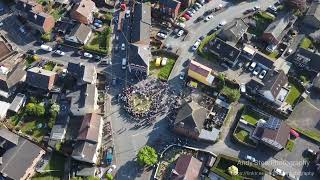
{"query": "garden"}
pixel 54 169
pixel 306 43
pixel 100 42
pixel 243 136
pixel 202 51
pixel 162 72
pixel 290 145
pixel 262 21
pixel 294 94
pixel 252 116
pixel 230 168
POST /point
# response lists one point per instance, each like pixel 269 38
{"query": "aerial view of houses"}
pixel 161 89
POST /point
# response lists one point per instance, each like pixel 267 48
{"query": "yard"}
pixel 57 13
pixel 306 43
pixel 163 72
pixel 290 145
pixel 49 66
pixel 293 95
pixel 243 136
pixel 55 169
pixel 201 49
pixel 252 116
pixel 262 21
pixel 100 42
pixel 314 135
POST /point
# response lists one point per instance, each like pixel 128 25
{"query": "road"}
pixel 201 29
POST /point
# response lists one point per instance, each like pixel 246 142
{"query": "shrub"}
pixel 147 156
pixel 33 109
pixel 46 37
pixel 109 176
pixel 232 94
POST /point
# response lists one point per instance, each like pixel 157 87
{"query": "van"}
pixel 124 63
pixel 46 48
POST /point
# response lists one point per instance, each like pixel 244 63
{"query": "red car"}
pixel 186 16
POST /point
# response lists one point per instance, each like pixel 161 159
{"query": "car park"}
pixel 262 74
pixel 250 158
pixel 59 52
pixel 208 18
pixel 256 71
pixel 123 47
pixel 180 33
pixel 252 66
pixel 278 172
pixel 87 55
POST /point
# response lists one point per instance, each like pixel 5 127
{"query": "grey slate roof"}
pixel 224 50
pixel 170 3
pixel 304 57
pixel 274 81
pixel 314 10
pixel 277 26
pixel 141 23
pixel 40 78
pixel 263 59
pixel 139 55
pixel 17 102
pixel 80 31
pixel 234 31
pixel 83 99
pixel 12 78
pixel 86 150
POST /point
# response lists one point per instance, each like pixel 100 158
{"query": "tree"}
pixel 232 94
pixel 147 156
pixel 33 109
pixel 55 108
pixel 30 108
pixel 109 176
pixel 233 170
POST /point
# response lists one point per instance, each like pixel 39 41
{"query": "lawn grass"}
pixel 203 44
pixel 31 128
pixel 243 136
pixel 273 55
pixel 262 22
pixel 49 66
pixel 305 43
pixel 94 43
pixel 165 71
pixel 293 95
pixel 314 135
pixel 233 94
pixel 100 42
pixel 55 168
pixel 251 116
pixel 290 145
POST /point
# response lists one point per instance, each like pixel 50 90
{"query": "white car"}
pixel 59 52
pixel 161 35
pixel 198 4
pixel 190 13
pixel 180 33
pixel 97 25
pixel 252 66
pixel 256 8
pixel 256 71
pixel 87 55
pixel 182 74
pixel 180 24
pixel 123 47
pixel 195 45
pixel 278 172
pixel 46 48
pixel 250 158
pixel 271 47
pixel 1 24
pixel 262 74
pixel 222 23
pixel 127 13
pixel 242 88
pixel 208 18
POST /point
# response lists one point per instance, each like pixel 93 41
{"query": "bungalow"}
pixel 80 34
pixel 41 78
pixel 170 8
pixel 18 156
pixel 276 30
pixel 89 139
pixel 306 59
pixel 233 31
pixel 83 11
pixel 224 51
pixel 274 133
pixel 186 167
pixel 200 73
pixel 312 17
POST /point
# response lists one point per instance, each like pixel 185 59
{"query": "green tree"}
pixel 55 108
pixel 109 176
pixel 233 170
pixel 232 94
pixel 30 109
pixel 147 156
pixel 39 110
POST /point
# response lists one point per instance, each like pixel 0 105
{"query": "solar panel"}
pixel 273 123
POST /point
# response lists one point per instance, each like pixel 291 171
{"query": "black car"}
pixel 97 58
pixel 201 38
pixel 31 52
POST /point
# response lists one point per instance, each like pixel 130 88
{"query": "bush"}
pixel 232 94
pixel 33 109
pixel 147 156
pixel 108 17
pixel 109 176
pixel 46 37
pixel 58 146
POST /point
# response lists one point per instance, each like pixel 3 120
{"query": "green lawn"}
pixel 293 95
pixel 290 145
pixel 31 128
pixel 100 42
pixel 305 43
pixel 49 66
pixel 233 94
pixel 251 116
pixel 94 43
pixel 273 55
pixel 204 42
pixel 55 169
pixel 165 71
pixel 244 136
pixel 314 135
pixel 262 21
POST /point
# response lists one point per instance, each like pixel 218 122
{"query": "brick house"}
pixel 83 11
pixel 170 8
pixel 41 21
pixel 41 78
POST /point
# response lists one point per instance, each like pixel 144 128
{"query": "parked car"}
pixel 127 13
pixel 271 47
pixel 124 63
pixel 97 58
pixel 208 18
pixel 87 55
pixel 189 13
pixel 104 63
pixel 31 52
pixel 243 88
pixel 195 45
pixel 185 15
pixel 250 158
pixel 311 151
pixel 59 52
pixel 278 172
pixel 195 7
pixel 180 24
pixel 262 74
pixel 256 70
pixel 192 10
pixel 97 25
pixel 182 74
pixel 256 8
pixel 201 38
pixel 98 21
pixel 290 176
pixel 161 35
pixel 198 5
pixel 252 66
pixel 123 47
pixel 46 48
pixel 222 23
pixel 180 33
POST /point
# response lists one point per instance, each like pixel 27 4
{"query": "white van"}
pixel 46 48
pixel 124 63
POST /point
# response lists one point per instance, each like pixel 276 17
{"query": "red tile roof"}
pixel 90 126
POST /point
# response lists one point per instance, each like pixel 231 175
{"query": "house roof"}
pixel 314 10
pixel 170 3
pixel 224 50
pixel 139 55
pixel 316 81
pixel 278 25
pixel 141 23
pixel 40 78
pixel 16 160
pixel 8 136
pixel 85 150
pixel 81 32
pixel 84 7
pixel 263 59
pixel 274 81
pixel 83 99
pixel 199 68
pixel 192 116
pixel 277 130
pixel 236 29
pixel 187 167
pixel 28 5
pixel 89 73
pixel 5 49
pixel 15 75
pixel 305 56
pixel 17 102
pixel 90 126
pixel 76 69
pixel 38 18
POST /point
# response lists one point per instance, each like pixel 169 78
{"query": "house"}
pixel 59 129
pixel 83 100
pixel 12 67
pixel 18 156
pixel 80 34
pixel 190 119
pixel 276 30
pixel 41 78
pixel 201 73
pixel 170 8
pixel 25 6
pixel 224 51
pixel 62 2
pixel 18 102
pixel 89 139
pixel 312 17
pixel 263 61
pixel 139 58
pixel 84 74
pixel 186 167
pixel 316 82
pixel 233 31
pixel 141 24
pixel 4 106
pixel 274 133
pixel 83 11
pixel 187 3
pixel 306 59
pixel 41 21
